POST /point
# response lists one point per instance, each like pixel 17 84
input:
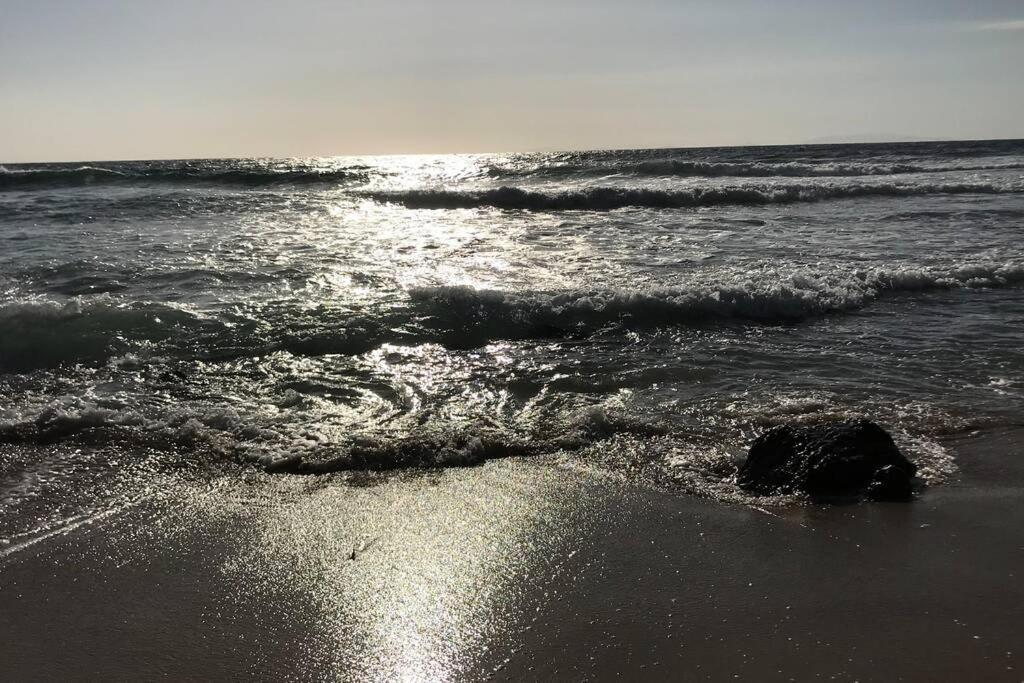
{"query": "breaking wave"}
pixel 708 169
pixel 699 460
pixel 674 167
pixel 51 178
pixel 47 334
pixel 225 434
pixel 765 297
pixel 37 335
pixel 610 198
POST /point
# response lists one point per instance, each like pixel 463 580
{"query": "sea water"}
pixel 641 311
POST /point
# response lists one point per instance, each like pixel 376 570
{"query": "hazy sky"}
pixel 105 79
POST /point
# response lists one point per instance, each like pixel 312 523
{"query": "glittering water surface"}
pixel 641 310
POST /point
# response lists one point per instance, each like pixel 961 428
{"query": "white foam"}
pixel 766 295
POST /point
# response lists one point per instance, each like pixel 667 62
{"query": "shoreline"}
pixel 528 570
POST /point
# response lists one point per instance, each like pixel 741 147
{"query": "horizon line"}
pixel 818 142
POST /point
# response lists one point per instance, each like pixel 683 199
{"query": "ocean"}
pixel 641 312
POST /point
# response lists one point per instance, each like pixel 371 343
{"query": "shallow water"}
pixel 642 310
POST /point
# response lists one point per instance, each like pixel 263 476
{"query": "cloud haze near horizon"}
pixel 105 79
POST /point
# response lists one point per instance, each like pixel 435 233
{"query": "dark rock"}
pixel 838 459
pixel 172 376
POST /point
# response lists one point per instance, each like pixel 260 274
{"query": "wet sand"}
pixel 527 570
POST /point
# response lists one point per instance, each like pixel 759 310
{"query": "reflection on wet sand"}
pixel 413 577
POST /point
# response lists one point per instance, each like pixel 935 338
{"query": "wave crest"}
pixel 35 335
pixel 771 297
pixel 610 198
pixel 46 334
pixel 51 178
pixel 711 169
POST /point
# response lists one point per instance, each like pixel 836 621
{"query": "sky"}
pixel 109 79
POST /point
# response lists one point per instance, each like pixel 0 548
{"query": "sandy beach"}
pixel 526 570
